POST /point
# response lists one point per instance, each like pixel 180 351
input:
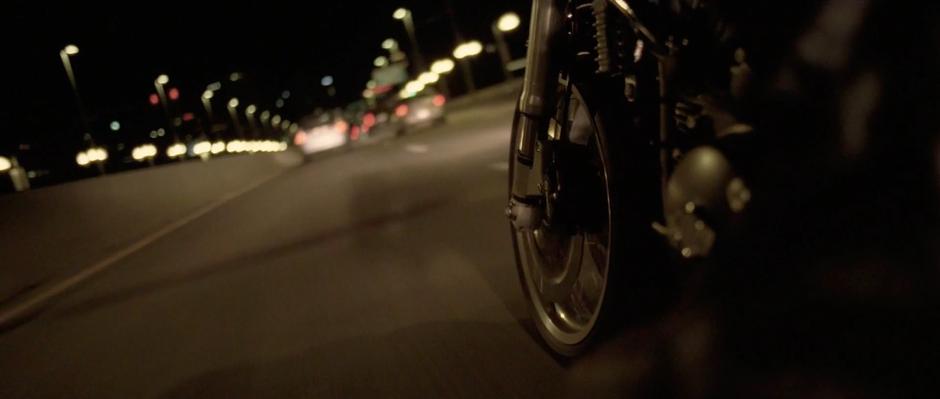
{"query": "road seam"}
pixel 20 311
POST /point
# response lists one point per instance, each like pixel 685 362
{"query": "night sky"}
pixel 277 46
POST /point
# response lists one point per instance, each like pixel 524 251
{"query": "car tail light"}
pixel 439 100
pixel 368 120
pixel 401 111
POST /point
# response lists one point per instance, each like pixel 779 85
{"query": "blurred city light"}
pixel 208 94
pixel 154 99
pixel 5 164
pixel 214 86
pixel 380 62
pixel 443 66
pixel 218 147
pixel 233 103
pixel 144 152
pixel 163 79
pixel 174 94
pixel 285 94
pixel 82 159
pixel 428 78
pixel 115 126
pixel 251 109
pixel 367 93
pixel 275 121
pixel 71 49
pixel 92 155
pixel 508 22
pixel 326 81
pixel 439 100
pixel 202 148
pixel 389 44
pixel 176 150
pixel 265 116
pixel 401 111
pixel 371 84
pixel 253 146
pixel 412 89
pixel 400 13
pixel 468 49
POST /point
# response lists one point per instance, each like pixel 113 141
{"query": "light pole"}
pixel 159 83
pixel 463 53
pixel 233 112
pixel 507 23
pixel 250 115
pixel 207 103
pixel 327 82
pixel 442 68
pixel 263 120
pixel 66 53
pixel 404 15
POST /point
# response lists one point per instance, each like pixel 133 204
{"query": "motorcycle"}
pixel 635 144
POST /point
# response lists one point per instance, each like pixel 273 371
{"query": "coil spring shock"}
pixel 602 41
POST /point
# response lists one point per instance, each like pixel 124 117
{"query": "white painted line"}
pixel 37 300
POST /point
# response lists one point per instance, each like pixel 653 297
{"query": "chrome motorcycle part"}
pixel 564 259
pixel 702 195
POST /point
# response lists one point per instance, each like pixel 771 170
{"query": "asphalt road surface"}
pixel 382 272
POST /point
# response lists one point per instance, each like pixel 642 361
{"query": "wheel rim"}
pixel 566 270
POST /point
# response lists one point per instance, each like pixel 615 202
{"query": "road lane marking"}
pixel 21 310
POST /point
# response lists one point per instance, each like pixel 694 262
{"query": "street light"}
pixel 207 104
pixel 463 53
pixel 66 53
pixel 5 164
pixel 401 13
pixel 404 15
pixel 389 44
pixel 250 115
pixel 159 82
pixel 232 111
pixel 442 67
pixel 380 62
pixel 507 23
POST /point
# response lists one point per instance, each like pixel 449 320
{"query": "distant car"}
pixel 420 111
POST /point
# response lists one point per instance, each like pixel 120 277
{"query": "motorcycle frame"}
pixel 536 102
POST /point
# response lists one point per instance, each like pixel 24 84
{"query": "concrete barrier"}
pixel 54 232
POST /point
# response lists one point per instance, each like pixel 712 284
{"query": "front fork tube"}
pixel 537 102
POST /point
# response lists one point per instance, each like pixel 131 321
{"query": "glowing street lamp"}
pixel 507 23
pixel 463 53
pixel 404 15
pixel 207 104
pixel 380 62
pixel 5 164
pixel 233 113
pixel 159 83
pixel 250 111
pixel 66 53
pixel 443 67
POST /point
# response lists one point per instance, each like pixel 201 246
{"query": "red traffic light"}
pixel 154 99
pixel 174 94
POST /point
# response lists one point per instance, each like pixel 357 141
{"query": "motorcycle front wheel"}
pixel 568 266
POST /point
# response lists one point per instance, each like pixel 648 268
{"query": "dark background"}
pixel 276 45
